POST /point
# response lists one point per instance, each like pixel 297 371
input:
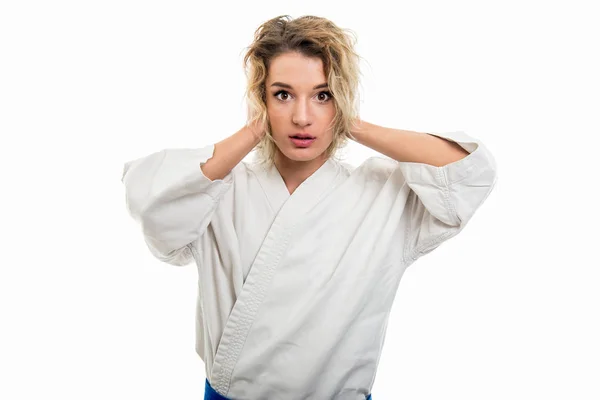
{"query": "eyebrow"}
pixel 285 85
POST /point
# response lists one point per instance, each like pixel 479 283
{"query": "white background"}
pixel 509 309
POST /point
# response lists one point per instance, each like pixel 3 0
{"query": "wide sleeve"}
pixel 167 193
pixel 443 199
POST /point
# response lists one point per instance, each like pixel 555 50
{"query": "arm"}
pixel 408 146
pixel 449 175
pixel 230 152
pixel 173 193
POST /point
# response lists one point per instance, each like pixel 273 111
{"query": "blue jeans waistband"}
pixel 211 394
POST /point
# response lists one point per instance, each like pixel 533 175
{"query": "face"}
pixel 299 103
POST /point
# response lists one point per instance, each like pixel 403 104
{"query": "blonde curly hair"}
pixel 310 36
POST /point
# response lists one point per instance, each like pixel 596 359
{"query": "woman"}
pixel 299 255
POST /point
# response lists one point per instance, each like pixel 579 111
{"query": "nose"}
pixel 300 116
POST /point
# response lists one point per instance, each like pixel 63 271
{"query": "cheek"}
pixel 328 114
pixel 275 113
pixel 327 120
pixel 277 121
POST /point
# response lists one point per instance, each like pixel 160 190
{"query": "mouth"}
pixel 302 140
pixel 302 136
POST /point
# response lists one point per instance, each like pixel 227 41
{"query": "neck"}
pixel 295 172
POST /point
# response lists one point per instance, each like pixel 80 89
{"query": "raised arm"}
pixel 450 175
pixel 173 193
pixel 231 151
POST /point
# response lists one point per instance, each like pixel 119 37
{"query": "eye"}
pixel 328 96
pixel 286 94
pixel 280 92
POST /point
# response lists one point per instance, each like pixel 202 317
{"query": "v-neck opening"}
pixel 277 191
pixel 312 177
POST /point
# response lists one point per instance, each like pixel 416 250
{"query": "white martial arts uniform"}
pixel 295 290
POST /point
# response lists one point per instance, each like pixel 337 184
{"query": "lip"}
pixel 302 136
pixel 302 143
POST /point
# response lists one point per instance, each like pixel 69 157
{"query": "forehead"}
pixel 297 70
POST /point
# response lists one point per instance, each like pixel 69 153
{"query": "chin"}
pixel 298 154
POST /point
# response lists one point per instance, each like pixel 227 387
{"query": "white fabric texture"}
pixel 295 290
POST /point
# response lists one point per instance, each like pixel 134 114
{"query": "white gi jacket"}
pixel 295 290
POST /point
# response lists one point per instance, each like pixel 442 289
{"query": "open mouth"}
pixel 302 140
pixel 302 137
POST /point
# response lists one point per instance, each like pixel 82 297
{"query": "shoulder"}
pixel 376 168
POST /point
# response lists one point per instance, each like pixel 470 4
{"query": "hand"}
pixel 357 126
pixel 257 128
